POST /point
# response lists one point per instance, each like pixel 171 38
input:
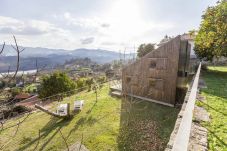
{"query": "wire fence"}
pixel 126 113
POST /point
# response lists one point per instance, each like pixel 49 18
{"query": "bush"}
pixel 101 79
pixel 15 91
pixel 2 84
pixel 89 83
pixel 56 83
pixel 80 83
pixel 204 67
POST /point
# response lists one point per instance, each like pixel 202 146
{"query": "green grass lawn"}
pixel 108 124
pixel 216 105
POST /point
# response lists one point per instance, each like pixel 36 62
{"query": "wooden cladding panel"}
pixel 161 63
pixel 156 83
pixel 157 63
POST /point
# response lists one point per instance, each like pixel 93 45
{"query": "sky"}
pixel 98 24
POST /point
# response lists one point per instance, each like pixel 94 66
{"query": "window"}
pixel 128 79
pixel 153 64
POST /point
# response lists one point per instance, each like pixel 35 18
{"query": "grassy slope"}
pixel 145 126
pixel 216 104
pixel 100 123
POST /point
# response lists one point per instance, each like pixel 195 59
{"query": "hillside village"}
pixel 169 95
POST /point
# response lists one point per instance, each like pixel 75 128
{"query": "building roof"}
pixel 187 36
pixel 22 96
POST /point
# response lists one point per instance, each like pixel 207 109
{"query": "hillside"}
pixel 108 124
pixel 52 57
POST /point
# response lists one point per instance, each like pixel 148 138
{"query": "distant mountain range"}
pixel 53 57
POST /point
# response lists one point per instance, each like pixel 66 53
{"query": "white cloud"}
pixel 10 25
pixel 87 40
pixel 88 23
pixel 116 29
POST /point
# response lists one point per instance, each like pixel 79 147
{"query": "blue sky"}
pixel 106 24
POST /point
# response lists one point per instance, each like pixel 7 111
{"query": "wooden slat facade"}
pixel 154 76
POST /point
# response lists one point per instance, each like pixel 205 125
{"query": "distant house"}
pixel 29 102
pixel 160 74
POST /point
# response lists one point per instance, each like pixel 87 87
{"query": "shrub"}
pixel 56 83
pixel 15 91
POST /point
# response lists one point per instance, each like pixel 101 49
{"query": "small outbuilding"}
pixel 157 76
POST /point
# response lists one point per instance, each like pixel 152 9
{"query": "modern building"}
pixel 159 75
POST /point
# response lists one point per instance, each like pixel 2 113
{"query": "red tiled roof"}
pixel 22 96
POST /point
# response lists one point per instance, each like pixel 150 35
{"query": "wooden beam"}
pixel 151 100
pixel 49 112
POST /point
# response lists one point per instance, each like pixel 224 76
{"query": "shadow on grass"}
pixel 216 82
pixel 218 138
pixel 88 120
pixel 145 125
pixel 90 110
pixel 210 107
pixel 83 120
pixel 53 125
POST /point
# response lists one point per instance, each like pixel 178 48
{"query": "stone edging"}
pixel 176 135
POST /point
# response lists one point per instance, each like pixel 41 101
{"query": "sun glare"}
pixel 125 18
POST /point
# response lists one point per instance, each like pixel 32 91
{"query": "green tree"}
pixel 58 82
pixel 89 83
pixel 211 40
pixel 144 49
pixel 80 82
pixel 15 91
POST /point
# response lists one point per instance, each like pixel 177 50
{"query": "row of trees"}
pixel 60 82
pixel 211 40
pixel 145 49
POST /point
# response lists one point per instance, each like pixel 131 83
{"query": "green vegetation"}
pixel 108 124
pixel 31 88
pixel 98 122
pixel 81 82
pixel 216 105
pixel 211 40
pixel 58 82
pixel 145 49
pixel 15 91
pixel 2 84
pixel 145 125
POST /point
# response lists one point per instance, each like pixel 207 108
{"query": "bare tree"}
pixel 8 77
pixel 3 46
pixel 38 69
pixel 18 51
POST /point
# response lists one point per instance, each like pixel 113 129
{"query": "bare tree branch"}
pixel 38 69
pixel 64 139
pixel 6 75
pixel 82 138
pixel 3 46
pixel 16 48
pixel 37 142
pixel 18 124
